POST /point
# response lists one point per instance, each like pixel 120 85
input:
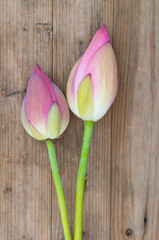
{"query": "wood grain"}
pixel 122 184
pixel 74 24
pixel 135 126
pixel 25 176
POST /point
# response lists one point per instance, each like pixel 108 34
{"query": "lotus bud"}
pixel 92 84
pixel 45 113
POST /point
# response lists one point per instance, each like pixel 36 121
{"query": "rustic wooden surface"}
pixel 122 185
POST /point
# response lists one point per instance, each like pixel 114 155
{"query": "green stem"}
pixel 59 189
pixel 88 127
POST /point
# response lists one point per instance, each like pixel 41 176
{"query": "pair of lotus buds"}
pixel 91 89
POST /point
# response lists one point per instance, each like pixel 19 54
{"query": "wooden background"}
pixel 122 185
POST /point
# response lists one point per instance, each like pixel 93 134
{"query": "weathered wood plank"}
pixel 74 24
pixel 122 185
pixel 135 128
pixel 25 176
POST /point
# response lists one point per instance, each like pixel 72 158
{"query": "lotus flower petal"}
pixel 53 122
pixel 45 78
pixel 85 98
pixel 103 69
pixel 100 38
pixel 63 107
pixel 38 102
pixel 27 125
pixel 24 119
pixel 70 93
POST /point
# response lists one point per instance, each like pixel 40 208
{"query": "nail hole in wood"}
pixel 129 232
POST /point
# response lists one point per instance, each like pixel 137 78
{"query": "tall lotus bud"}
pixel 45 113
pixel 92 83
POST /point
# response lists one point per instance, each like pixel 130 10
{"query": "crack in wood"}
pixel 12 94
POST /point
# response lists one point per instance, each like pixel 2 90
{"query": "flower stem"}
pixel 88 127
pixel 59 189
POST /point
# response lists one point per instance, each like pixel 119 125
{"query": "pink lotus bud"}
pixel 92 84
pixel 45 113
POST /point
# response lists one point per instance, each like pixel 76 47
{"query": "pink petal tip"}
pixel 43 75
pixel 105 32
